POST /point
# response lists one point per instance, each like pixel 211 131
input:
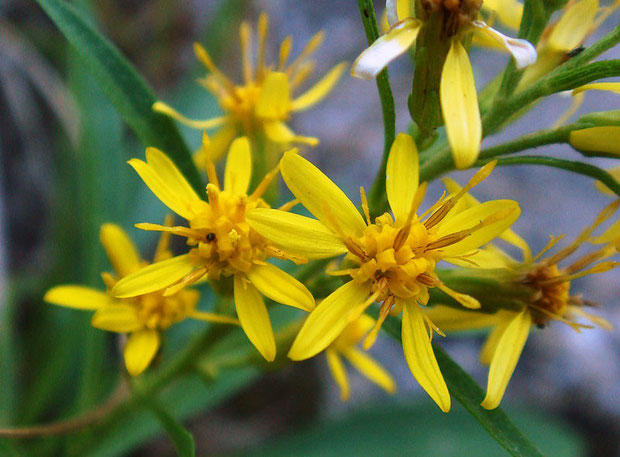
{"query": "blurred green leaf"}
pixel 125 88
pixel 182 440
pixel 393 429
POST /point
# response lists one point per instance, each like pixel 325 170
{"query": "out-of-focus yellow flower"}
pixel 345 347
pixel 458 96
pixel 550 299
pixel 507 12
pixel 263 103
pixel 601 139
pixel 392 260
pixel 144 316
pixel 224 244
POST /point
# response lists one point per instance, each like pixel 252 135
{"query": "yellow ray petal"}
pixel 612 234
pixel 296 234
pixel 450 319
pixel 402 175
pixel 77 297
pixel 117 317
pixel 279 132
pixel 459 105
pixel 140 349
pixel 320 90
pixel 220 142
pixel 522 51
pixel 508 12
pixel 509 212
pixel 167 183
pixel 280 286
pixel 574 25
pixel 320 195
pixel 154 277
pixel 615 172
pixel 211 317
pixel 596 139
pixel 328 320
pixel 336 367
pixel 202 124
pixel 420 356
pixel 120 249
pixel 238 170
pixel 367 366
pixel 274 101
pixel 506 357
pixel 609 86
pixel 386 48
pixel 254 318
pixel 490 345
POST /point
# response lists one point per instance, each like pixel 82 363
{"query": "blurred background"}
pixel 63 173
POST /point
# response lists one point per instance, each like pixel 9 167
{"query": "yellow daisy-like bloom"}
pixel 344 346
pixel 550 300
pixel 144 316
pixel 458 96
pixel 223 243
pixel 393 259
pixel 263 103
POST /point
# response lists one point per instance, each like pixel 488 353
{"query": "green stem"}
pixel 569 165
pixel 532 140
pixel 377 191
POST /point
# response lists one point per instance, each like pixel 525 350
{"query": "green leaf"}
pixel 470 395
pixel 181 439
pixel 125 88
pixel 395 428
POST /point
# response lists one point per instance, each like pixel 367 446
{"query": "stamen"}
pixel 357 311
pixel 553 240
pixel 576 103
pixel 206 60
pixel 596 320
pixel 108 280
pixel 365 206
pixel 263 27
pixel 574 325
pixel 186 281
pixel 245 32
pixel 599 254
pixel 177 230
pixel 289 205
pixel 305 70
pixel 209 165
pixel 403 233
pixel 285 51
pixel 466 300
pixel 598 268
pixel 384 311
pixel 346 272
pixel 214 197
pixel 427 280
pixel 435 205
pixel 274 251
pixel 264 184
pixel 432 327
pixel 161 107
pixel 355 248
pixel 312 45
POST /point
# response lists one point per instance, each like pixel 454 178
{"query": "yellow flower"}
pixel 144 316
pixel 548 299
pixel 392 260
pixel 223 243
pixel 600 139
pixel 345 346
pixel 458 97
pixel 263 103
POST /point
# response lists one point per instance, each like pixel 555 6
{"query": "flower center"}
pixel 225 242
pixel 553 293
pixel 158 312
pixel 241 103
pixel 394 259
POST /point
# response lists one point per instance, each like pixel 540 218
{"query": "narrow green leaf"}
pixel 122 84
pixel 470 394
pixel 576 167
pixel 181 439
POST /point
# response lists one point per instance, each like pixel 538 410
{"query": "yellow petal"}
pixel 459 105
pixel 140 349
pixel 610 235
pixel 211 317
pixel 320 195
pixel 402 175
pixel 296 234
pixel 274 101
pixel 336 367
pixel 508 210
pixel 238 167
pixel 120 249
pixel 278 132
pixel 77 297
pixel 201 124
pixel 450 319
pixel 522 51
pixel 117 317
pixel 367 366
pixel 320 90
pixel 167 183
pixel 254 318
pixel 420 356
pixel 386 48
pixel 612 87
pixel 490 345
pixel 220 142
pixel 574 25
pixel 506 357
pixel 154 277
pixel 508 12
pixel 328 320
pixel 280 286
pixel 596 139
